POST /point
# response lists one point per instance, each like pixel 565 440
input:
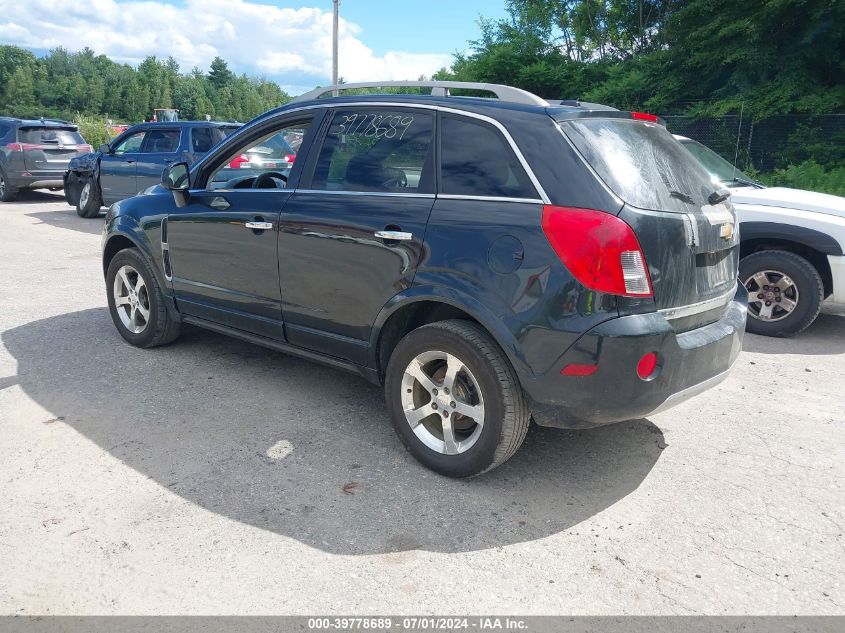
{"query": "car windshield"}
pixel 49 136
pixel 720 170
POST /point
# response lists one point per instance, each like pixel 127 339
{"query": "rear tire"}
pixel 89 203
pixel 484 387
pixel 785 292
pixel 7 194
pixel 136 302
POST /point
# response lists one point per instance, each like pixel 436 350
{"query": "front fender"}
pixel 461 300
pixel 121 229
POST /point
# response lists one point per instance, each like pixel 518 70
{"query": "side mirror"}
pixel 176 178
pixel 104 149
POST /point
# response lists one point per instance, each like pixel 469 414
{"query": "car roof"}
pixel 38 122
pixel 494 108
pixel 155 124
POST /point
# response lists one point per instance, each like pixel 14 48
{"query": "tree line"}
pixel 699 57
pixel 74 85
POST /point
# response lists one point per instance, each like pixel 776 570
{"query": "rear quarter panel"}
pixel 496 253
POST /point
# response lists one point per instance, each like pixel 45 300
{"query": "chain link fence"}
pixel 767 144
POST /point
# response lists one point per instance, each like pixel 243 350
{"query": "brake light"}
pixel 84 148
pixel 645 116
pixel 289 158
pixel 600 250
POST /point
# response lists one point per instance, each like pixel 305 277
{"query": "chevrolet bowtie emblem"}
pixel 726 231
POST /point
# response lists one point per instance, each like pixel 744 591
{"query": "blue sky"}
pixel 288 41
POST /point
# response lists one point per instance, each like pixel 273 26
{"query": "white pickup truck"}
pixel 792 248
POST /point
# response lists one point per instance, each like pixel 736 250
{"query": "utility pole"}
pixel 334 45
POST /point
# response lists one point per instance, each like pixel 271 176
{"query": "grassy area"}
pixel 808 175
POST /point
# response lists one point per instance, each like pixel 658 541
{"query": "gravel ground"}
pixel 212 476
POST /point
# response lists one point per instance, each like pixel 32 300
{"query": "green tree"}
pixel 219 75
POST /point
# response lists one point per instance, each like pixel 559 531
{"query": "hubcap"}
pixel 772 295
pixel 442 402
pixel 2 186
pixel 131 300
pixel 86 193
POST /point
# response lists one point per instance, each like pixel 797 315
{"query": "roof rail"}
pixel 438 89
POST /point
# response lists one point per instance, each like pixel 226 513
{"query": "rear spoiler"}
pixel 566 112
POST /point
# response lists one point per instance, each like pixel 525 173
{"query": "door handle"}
pixel 259 226
pixel 398 236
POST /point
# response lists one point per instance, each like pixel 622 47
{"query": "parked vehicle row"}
pixel 34 154
pixel 489 262
pixel 792 253
pixel 134 161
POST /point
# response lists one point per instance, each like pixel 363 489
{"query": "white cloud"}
pixel 292 45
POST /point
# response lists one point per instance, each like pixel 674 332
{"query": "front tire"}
pixel 454 399
pixel 785 292
pixel 89 202
pixel 136 302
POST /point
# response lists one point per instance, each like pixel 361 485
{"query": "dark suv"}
pixel 34 154
pixel 488 261
pixel 134 161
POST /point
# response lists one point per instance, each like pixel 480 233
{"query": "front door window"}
pixel 377 150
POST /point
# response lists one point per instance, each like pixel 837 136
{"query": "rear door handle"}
pixel 259 226
pixel 399 236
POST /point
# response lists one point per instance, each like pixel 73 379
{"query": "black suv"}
pixel 34 154
pixel 134 161
pixel 489 261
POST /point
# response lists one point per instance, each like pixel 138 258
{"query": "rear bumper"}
pixel 689 363
pixel 37 179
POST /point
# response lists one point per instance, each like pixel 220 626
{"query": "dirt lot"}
pixel 212 476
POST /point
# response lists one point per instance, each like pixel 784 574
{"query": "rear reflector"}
pixel 579 370
pixel 600 250
pixel 647 366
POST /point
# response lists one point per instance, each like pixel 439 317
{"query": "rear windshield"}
pixel 642 163
pixel 49 136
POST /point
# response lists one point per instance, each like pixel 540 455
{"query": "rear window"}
pixel 49 136
pixel 642 163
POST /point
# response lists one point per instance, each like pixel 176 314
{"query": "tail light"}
pixel 289 158
pixel 242 160
pixel 84 148
pixel 21 147
pixel 599 249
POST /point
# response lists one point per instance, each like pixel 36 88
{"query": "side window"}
pixel 4 130
pixel 476 160
pixel 161 141
pixel 131 144
pixel 201 139
pixel 377 150
pixel 264 163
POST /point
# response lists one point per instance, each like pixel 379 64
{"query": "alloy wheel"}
pixel 772 295
pixel 131 299
pixel 85 195
pixel 442 402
